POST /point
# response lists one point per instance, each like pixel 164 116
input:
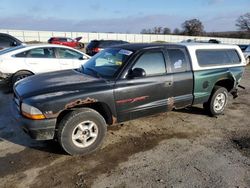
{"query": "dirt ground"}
pixel 183 148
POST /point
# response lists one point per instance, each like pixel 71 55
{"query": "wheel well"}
pixel 101 108
pixel 104 110
pixel 23 71
pixel 227 83
pixel 20 72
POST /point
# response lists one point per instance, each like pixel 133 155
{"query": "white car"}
pixel 22 61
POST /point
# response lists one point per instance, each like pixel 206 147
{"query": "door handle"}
pixel 64 63
pixel 168 83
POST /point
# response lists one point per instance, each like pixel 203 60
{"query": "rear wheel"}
pixel 81 132
pixel 217 101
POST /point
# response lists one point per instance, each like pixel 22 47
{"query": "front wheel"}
pixel 81 132
pixel 19 76
pixel 217 101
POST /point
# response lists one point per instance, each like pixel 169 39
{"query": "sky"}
pixel 121 16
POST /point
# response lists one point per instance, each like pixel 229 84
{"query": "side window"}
pixel 6 41
pixel 178 60
pixel 234 56
pixel 69 40
pixel 104 44
pixel 152 62
pixel 63 39
pixel 68 54
pixel 22 54
pixel 217 57
pixel 37 53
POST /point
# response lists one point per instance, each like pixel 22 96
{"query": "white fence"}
pixel 43 36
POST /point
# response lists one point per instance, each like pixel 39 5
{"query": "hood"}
pixel 66 80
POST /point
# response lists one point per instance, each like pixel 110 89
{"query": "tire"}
pixel 248 61
pixel 81 45
pixel 81 132
pixel 217 102
pixel 20 75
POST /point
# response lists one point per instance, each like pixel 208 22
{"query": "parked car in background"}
pixel 243 47
pixel 96 46
pixel 73 43
pixel 22 61
pixel 246 51
pixel 7 41
pixel 215 41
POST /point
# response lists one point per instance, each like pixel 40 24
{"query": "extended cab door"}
pixel 182 76
pixel 141 96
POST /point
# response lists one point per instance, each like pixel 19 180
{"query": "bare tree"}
pixel 193 27
pixel 176 31
pixel 149 31
pixel 243 22
pixel 157 30
pixel 166 30
pixel 144 31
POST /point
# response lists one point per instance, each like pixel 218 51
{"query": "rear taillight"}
pixel 96 50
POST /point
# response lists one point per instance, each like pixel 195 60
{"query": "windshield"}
pixel 106 63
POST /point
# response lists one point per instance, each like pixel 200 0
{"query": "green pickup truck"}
pixel 122 83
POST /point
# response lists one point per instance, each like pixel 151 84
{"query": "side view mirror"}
pixel 137 73
pixel 14 43
pixel 83 58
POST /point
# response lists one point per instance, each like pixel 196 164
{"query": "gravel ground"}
pixel 183 148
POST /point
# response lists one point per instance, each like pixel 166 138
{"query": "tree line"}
pixel 194 27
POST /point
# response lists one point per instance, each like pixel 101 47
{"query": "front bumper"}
pixel 4 75
pixel 36 129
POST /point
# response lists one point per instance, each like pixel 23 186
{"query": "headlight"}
pixel 31 112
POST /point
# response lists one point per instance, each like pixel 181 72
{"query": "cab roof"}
pixel 140 46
